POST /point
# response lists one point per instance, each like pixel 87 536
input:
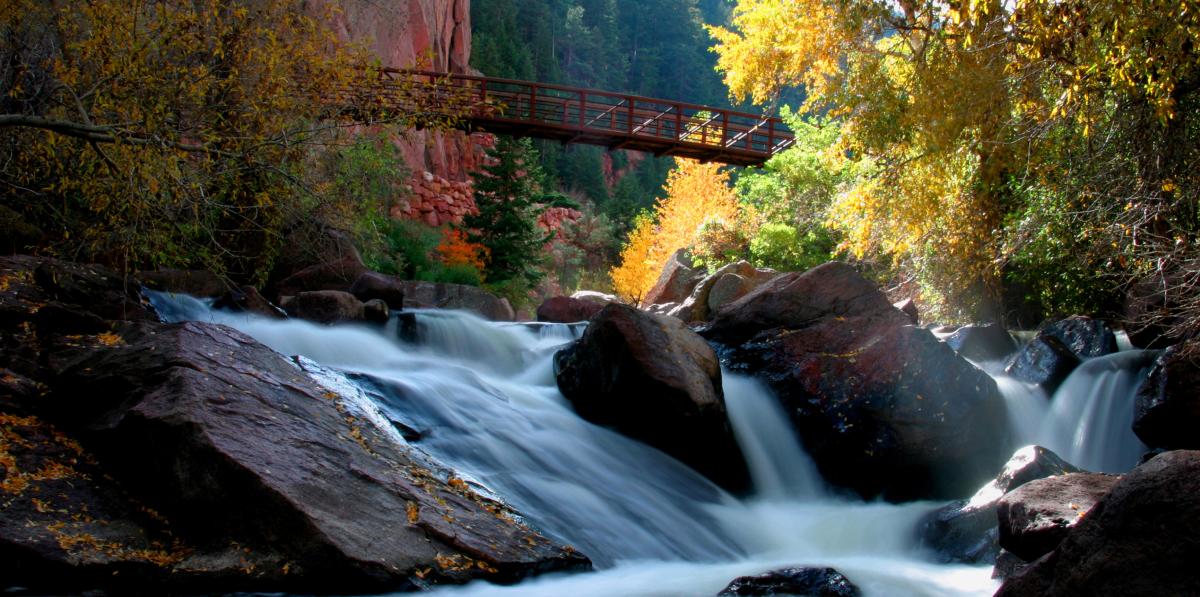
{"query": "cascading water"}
pixel 1088 421
pixel 481 397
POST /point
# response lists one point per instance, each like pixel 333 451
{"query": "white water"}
pixel 482 397
pixel 1088 421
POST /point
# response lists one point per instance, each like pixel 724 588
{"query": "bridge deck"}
pixel 613 120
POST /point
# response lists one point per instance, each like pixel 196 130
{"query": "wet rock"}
pixel 332 275
pixel 1141 539
pixel 1083 336
pixel 374 285
pixel 564 309
pixel 1167 411
pixel 1044 361
pixel 327 306
pixel 653 379
pixel 376 311
pixel 1036 517
pixel 882 406
pixel 966 531
pixel 982 342
pixel 249 450
pixel 909 308
pixel 676 281
pixel 197 283
pixel 815 582
pixel 437 295
pixel 248 300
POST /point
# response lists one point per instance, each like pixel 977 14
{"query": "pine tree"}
pixel 508 196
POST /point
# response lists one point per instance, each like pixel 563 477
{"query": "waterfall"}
pixel 1088 421
pixel 481 398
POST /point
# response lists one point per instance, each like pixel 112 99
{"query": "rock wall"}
pixel 425 34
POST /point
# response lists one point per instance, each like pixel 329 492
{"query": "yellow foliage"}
pixel 695 193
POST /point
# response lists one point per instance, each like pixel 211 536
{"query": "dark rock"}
pixel 982 342
pixel 909 308
pixel 1036 517
pixel 814 582
pixel 197 283
pixel 248 300
pixel 374 285
pixel 1007 564
pixel 1044 361
pixel 966 530
pixel 695 307
pixel 1140 540
pixel 564 309
pixel 1167 411
pixel 233 444
pixel 327 306
pixel 882 406
pixel 655 380
pixel 437 295
pixel 18 393
pixel 675 282
pixel 1153 308
pixel 89 292
pixel 1084 336
pixel 333 275
pixel 407 328
pixel 376 311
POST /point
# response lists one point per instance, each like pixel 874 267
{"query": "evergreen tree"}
pixel 508 196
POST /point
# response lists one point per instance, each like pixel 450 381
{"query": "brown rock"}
pixel 247 299
pixel 334 275
pixel 1142 539
pixel 564 309
pixel 1037 516
pixel 882 406
pixel 909 308
pixel 655 380
pixel 327 306
pixel 374 285
pixel 439 295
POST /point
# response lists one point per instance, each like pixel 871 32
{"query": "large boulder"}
pixel 593 296
pixel 1036 517
pixel 374 285
pixel 653 379
pixel 327 306
pixel 1141 539
pixel 1058 348
pixel 1045 361
pixel 696 307
pixel 564 309
pixel 239 471
pixel 811 582
pixel 439 295
pixel 1084 336
pixel 882 406
pixel 676 281
pixel 1167 411
pixel 310 244
pixel 966 530
pixel 982 342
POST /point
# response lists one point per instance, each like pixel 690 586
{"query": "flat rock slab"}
pixel 1036 517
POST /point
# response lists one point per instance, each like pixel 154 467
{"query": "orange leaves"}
pixel 455 249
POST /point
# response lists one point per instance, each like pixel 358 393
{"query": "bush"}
pixel 784 248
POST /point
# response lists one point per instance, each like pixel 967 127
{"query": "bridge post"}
pixel 770 136
pixel 582 107
pixel 533 102
pixel 724 127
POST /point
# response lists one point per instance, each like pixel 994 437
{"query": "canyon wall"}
pixel 423 34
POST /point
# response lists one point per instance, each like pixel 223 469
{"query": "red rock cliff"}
pixel 428 34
